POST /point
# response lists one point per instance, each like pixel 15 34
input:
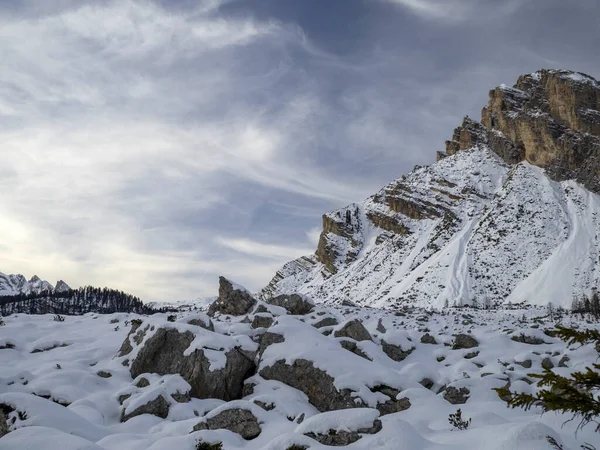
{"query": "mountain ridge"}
pixel 493 220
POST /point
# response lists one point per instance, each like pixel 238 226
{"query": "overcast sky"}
pixel 151 146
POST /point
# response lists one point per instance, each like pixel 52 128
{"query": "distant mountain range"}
pixel 36 296
pixel 510 212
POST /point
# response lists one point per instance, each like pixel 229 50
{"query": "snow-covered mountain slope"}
pixel 508 213
pixel 18 284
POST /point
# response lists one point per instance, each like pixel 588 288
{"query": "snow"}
pixel 513 233
pixel 91 421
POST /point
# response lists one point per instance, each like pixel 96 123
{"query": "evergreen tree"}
pixel 577 394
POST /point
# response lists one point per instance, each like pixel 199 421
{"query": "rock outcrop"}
pixel 233 300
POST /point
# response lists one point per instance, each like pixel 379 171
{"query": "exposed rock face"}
pixel 163 354
pixel 488 191
pixel 294 304
pixel 354 329
pixel 232 300
pixel 240 421
pixel 268 339
pixel 346 224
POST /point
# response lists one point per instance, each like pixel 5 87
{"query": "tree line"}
pixel 74 302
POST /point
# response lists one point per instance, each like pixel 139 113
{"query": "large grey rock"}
pixel 352 347
pixel 240 421
pixel 158 407
pixel 456 396
pixel 262 321
pixel 163 354
pixel 354 329
pixel 326 322
pixel 464 341
pixel 428 339
pixel 395 352
pixel 315 383
pixel 343 437
pixel 547 363
pixel 294 304
pixel 320 389
pixel 231 300
pixel 267 339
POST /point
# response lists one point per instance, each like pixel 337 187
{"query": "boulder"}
pixel 202 321
pixel 326 322
pixel 315 383
pixel 353 329
pixel 267 339
pixel 395 352
pixel 293 303
pixel 526 364
pixel 547 364
pixel 464 341
pixel 341 428
pixel 240 421
pixel 158 407
pixel 352 347
pixel 428 339
pixel 163 353
pixel 233 300
pixel 456 396
pixel 262 321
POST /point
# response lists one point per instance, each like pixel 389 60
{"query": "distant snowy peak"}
pixel 17 284
pixel 509 212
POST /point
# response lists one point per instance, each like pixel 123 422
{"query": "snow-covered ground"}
pixel 62 361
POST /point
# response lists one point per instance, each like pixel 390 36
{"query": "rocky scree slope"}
pixel 508 213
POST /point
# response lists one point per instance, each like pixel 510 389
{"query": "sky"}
pixel 153 145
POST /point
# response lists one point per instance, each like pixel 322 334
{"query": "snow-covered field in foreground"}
pixel 61 360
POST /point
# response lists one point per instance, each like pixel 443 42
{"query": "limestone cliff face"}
pixel 509 194
pixel 549 118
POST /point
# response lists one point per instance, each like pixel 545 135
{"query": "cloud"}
pixel 460 10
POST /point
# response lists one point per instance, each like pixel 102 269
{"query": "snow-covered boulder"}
pixel 353 329
pixel 331 377
pixel 153 394
pixel 239 417
pixel 341 428
pixel 294 304
pixel 213 364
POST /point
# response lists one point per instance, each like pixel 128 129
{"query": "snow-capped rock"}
pixel 509 213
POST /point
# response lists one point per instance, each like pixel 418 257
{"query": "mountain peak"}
pixel 509 211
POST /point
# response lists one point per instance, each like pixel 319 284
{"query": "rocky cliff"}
pixel 509 212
